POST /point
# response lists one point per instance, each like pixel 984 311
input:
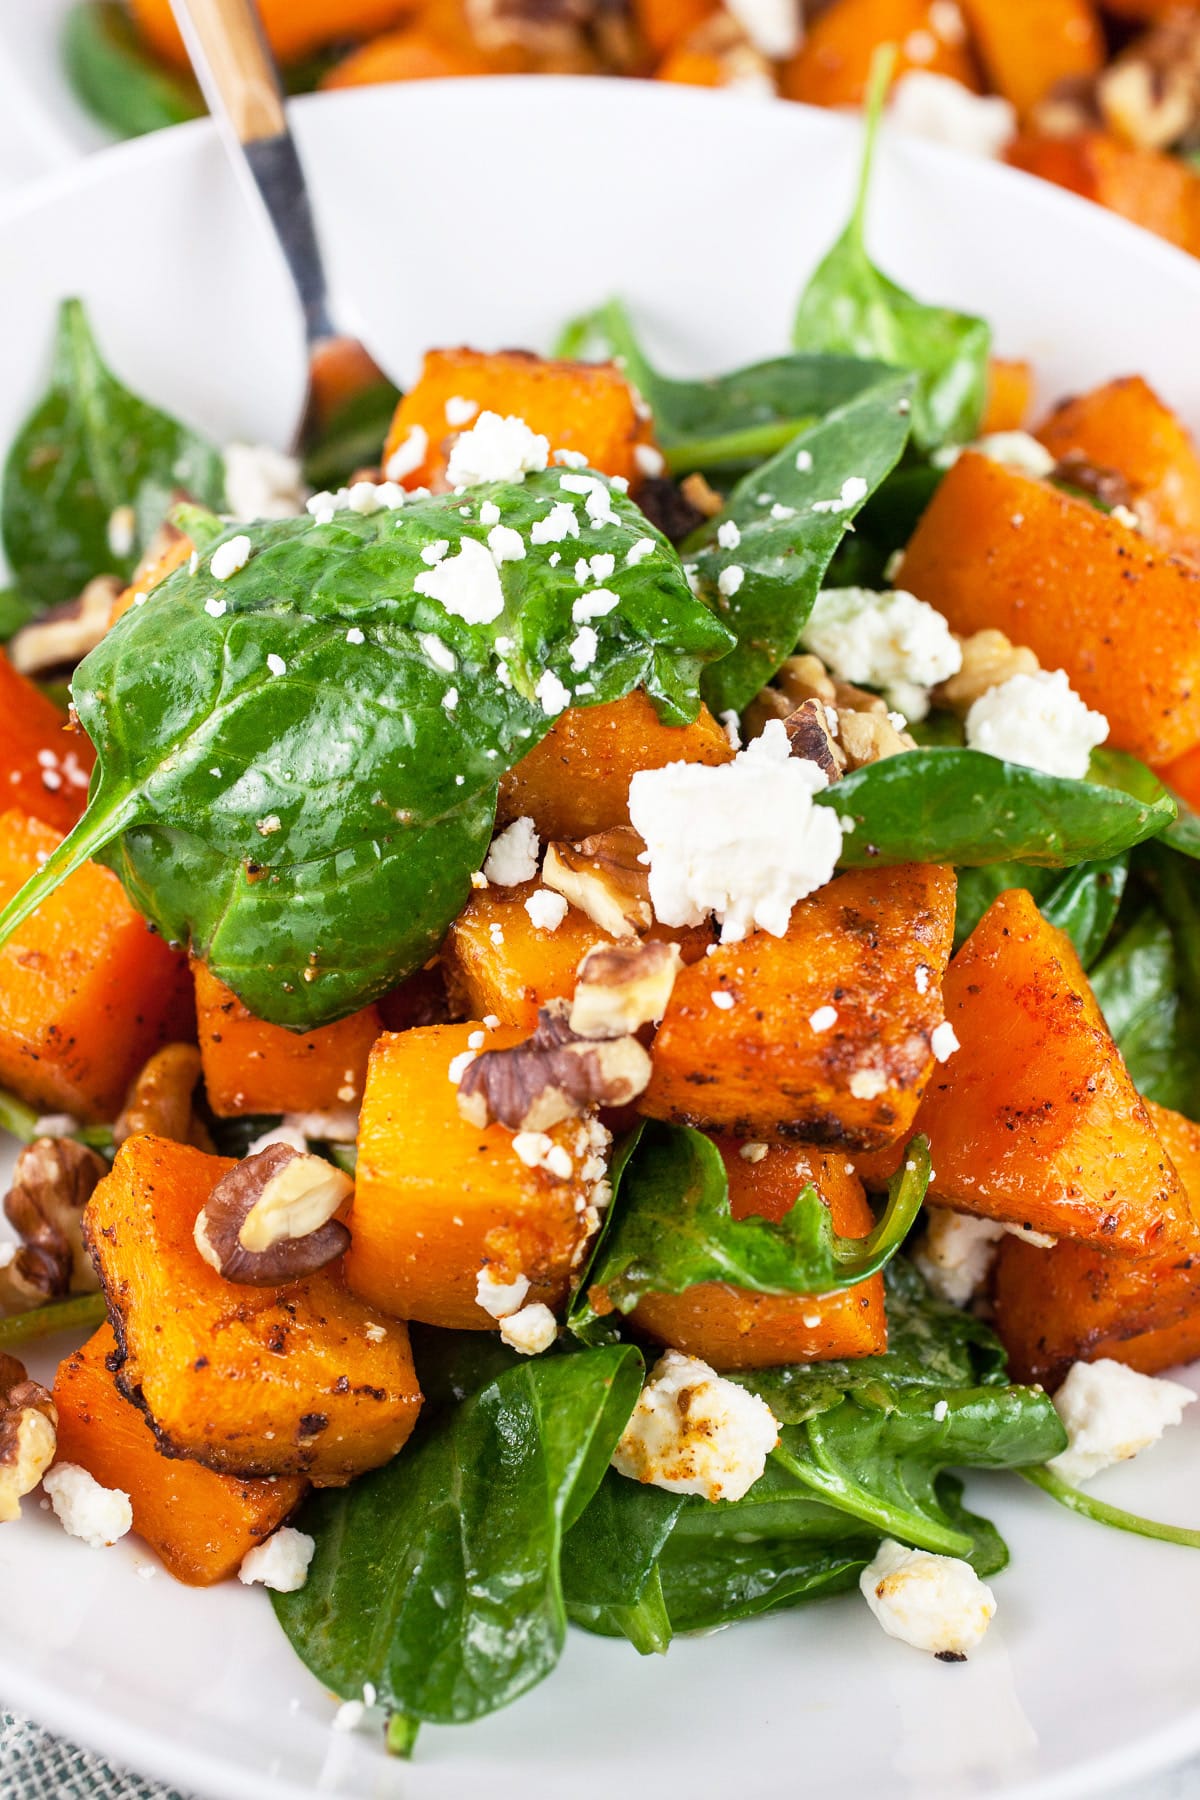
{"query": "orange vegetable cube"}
pixel 438 1201
pixel 1027 46
pixel 294 28
pixel 44 767
pixel 200 1524
pixel 873 945
pixel 1159 192
pixel 302 1379
pixel 832 64
pixel 996 547
pixel 665 23
pixel 732 1328
pixel 253 1067
pixel 87 990
pixel 1009 395
pixel 411 54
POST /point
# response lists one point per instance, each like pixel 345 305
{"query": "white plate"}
pixel 488 212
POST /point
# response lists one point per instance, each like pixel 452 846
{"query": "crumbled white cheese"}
pixel 729 535
pixel 934 1603
pixel 1111 1413
pixel 596 605
pixel 824 1018
pixel 458 1065
pixel 215 608
pixel 279 1134
pixel 731 725
pixel 262 483
pixel 439 654
pixel 281 1563
pixel 1039 721
pixel 122 531
pixel 772 26
pixel 500 1298
pixel 804 462
pixel 349 1716
pixel 98 1515
pixel 496 449
pixel 506 545
pixel 276 664
pixel 546 909
pixel 554 697
pixel 693 1432
pixel 638 552
pixel 891 641
pixel 355 635
pixel 723 1001
pixel 956 1253
pixel 649 460
pixel 583 649
pixel 513 857
pixel 408 455
pixel 730 579
pixel 943 1041
pixel 531 1330
pixel 434 553
pixel 597 500
pixel 467 585
pixel 229 557
pixel 460 411
pixel 867 1084
pixel 753 1153
pixel 538 1150
pixel 560 523
pixel 743 839
pixel 942 109
pixel 853 490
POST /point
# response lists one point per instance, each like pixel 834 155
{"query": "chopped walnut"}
pixel 63 636
pixel 159 1101
pixel 766 705
pixel 567 37
pixel 811 737
pixel 868 738
pixel 604 878
pixel 1070 106
pixel 52 1182
pixel 988 658
pixel 806 678
pixel 705 498
pixel 552 1076
pixel 271 1219
pixel 28 1435
pixel 848 698
pixel 621 987
pixel 1150 94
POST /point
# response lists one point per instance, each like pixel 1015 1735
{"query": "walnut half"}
pixel 552 1076
pixel 271 1219
pixel 621 987
pixel 604 877
pixel 28 1435
pixel 52 1182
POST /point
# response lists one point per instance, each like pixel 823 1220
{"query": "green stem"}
pixel 99 825
pixel 753 443
pixel 401 1735
pixel 910 1529
pixel 83 1313
pixel 1103 1514
pixel 883 66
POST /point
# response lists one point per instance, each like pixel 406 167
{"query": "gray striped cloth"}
pixel 36 1766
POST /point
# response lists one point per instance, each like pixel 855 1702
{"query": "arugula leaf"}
pixel 89 447
pixel 436 1578
pixel 669 1227
pixel 938 804
pixel 1101 1513
pixel 790 515
pixel 1137 986
pixel 304 809
pixel 1082 901
pixel 851 306
pixel 116 78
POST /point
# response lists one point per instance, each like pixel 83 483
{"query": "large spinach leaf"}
pixel 436 1579
pixel 1137 984
pixel 89 448
pixel 299 764
pixel 115 76
pixel 670 1227
pixel 937 804
pixel 1082 901
pixel 762 560
pixel 850 306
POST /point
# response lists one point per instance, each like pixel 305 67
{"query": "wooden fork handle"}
pixel 234 65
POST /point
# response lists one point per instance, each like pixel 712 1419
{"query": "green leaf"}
pixel 117 78
pixel 1102 1514
pixel 1137 986
pixel 851 307
pixel 1082 901
pixel 81 1314
pixel 790 515
pixel 436 1578
pixel 304 809
pixel 353 437
pixel 962 806
pixel 15 611
pixel 669 1227
pixel 89 447
pixel 610 1561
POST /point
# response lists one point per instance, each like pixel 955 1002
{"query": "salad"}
pixel 603 1006
pixel 1099 96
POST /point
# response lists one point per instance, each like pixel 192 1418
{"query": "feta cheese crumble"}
pixel 262 483
pixel 215 608
pixel 97 1515
pixel 496 449
pixel 596 605
pixel 693 1432
pixel 506 545
pixel 943 1041
pixel 1039 721
pixel 824 1018
pixel 531 1330
pixel 460 411
pixel 891 641
pixel 513 857
pixel 772 26
pixel 956 1254
pixel 276 664
pixel 638 552
pixel 560 523
pixel 934 1603
pixel 467 585
pixel 730 580
pixel 500 1298
pixel 1110 1413
pixel 854 489
pixel 943 110
pixel 439 654
pixel 546 909
pixel 743 839
pixel 554 697
pixel 729 535
pixel 281 1563
pixel 229 557
pixel 408 455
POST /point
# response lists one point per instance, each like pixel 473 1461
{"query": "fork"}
pixel 240 81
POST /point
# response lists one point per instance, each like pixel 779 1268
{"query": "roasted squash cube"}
pixel 832 65
pixel 294 28
pixel 87 990
pixel 1027 46
pixel 200 1524
pixel 732 1328
pixel 252 1381
pixel 437 1202
pixel 1160 193
pixel 44 768
pixel 871 947
pixel 253 1067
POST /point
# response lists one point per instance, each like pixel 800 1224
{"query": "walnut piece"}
pixel 63 636
pixel 552 1076
pixel 865 737
pixel 806 678
pixel 988 658
pixel 271 1219
pixel 28 1435
pixel 621 987
pixel 811 737
pixel 52 1182
pixel 766 705
pixel 1150 94
pixel 603 877
pixel 159 1101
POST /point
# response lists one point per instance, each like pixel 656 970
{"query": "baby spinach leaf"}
pixel 1101 1513
pixel 1081 901
pixel 1137 986
pixel 762 560
pixel 610 1560
pixel 298 765
pixel 90 447
pixel 670 1227
pixel 117 78
pixel 436 1578
pixel 939 804
pixel 851 306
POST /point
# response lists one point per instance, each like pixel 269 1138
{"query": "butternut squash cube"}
pixel 438 1201
pixel 297 1380
pixel 833 62
pixel 732 1328
pixel 1034 1119
pixel 294 28
pixel 872 947
pixel 576 781
pixel 44 768
pixel 87 991
pixel 201 1525
pixel 1027 46
pixel 1161 193
pixel 253 1067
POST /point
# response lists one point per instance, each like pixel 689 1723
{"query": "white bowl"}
pixel 489 212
